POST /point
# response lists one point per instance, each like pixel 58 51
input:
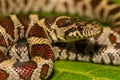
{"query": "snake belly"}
pixel 27 49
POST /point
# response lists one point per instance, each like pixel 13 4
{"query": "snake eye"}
pixel 73 29
pixel 70 30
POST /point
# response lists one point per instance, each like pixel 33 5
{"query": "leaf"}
pixel 72 70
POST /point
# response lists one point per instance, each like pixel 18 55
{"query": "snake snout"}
pixel 93 28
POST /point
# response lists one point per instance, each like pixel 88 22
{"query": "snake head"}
pixel 83 30
pixel 72 29
pixel 64 28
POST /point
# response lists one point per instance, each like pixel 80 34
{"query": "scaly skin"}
pixel 36 52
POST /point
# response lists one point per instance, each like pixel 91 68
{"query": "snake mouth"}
pixel 90 29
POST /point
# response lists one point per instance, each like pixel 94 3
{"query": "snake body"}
pixel 29 45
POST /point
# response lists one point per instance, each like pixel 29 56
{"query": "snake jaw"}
pixel 93 28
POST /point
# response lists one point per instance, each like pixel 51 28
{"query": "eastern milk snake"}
pixel 29 44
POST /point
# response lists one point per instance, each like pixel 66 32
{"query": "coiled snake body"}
pixel 28 44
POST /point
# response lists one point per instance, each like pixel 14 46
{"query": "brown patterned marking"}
pixel 117 29
pixel 8 25
pixel 110 2
pixel 24 21
pixel 2 56
pixel 49 21
pixel 10 42
pixel 113 11
pixel 102 12
pixel 44 71
pixel 66 5
pixel 25 1
pixel 37 31
pixel 19 31
pixel 117 19
pixel 25 69
pixel 6 4
pixel 3 75
pixel 95 3
pixel 2 41
pixel 116 26
pixel 84 7
pixel 46 2
pixel 0 7
pixel 63 22
pixel 117 46
pixel 42 50
pixel 112 38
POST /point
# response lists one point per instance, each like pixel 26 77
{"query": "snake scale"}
pixel 29 44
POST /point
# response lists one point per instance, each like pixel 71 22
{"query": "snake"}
pixel 30 44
